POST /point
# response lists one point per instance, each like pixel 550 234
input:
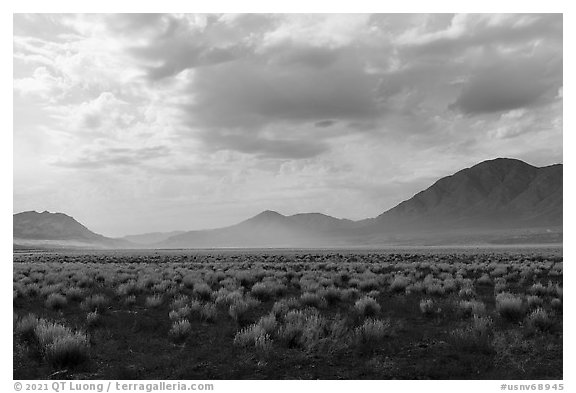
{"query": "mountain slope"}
pixel 501 200
pixel 493 200
pixel 267 229
pixel 152 237
pixel 56 229
pixel 500 193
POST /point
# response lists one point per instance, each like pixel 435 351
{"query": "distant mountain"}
pixel 56 229
pixel 496 201
pixel 500 193
pixel 267 229
pixel 150 238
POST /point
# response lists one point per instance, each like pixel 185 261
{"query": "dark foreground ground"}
pixel 301 314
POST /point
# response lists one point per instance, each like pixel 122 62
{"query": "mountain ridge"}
pixel 492 196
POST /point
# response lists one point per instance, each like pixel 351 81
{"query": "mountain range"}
pixel 496 201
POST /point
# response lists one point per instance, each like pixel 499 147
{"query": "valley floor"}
pixel 289 315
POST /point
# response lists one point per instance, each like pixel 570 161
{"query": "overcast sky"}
pixel 141 123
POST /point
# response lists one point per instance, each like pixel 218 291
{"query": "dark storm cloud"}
pixel 259 86
pixel 511 85
pixel 252 94
pixel 257 107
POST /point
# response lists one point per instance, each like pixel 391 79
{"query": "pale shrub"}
pixel 47 332
pixel 95 303
pixel 153 301
pixel 93 318
pixel 238 310
pixel 534 301
pixel 466 292
pixel 428 307
pixel 253 335
pixel 266 290
pixel 130 300
pixel 26 326
pixel 539 320
pixel 367 307
pixel 181 313
pixel 69 350
pixel 179 302
pixel 56 301
pixel 332 295
pixel 509 306
pixel 209 313
pixel 180 330
pixel 484 280
pixel 399 284
pixel 476 336
pixel 537 289
pixel 74 293
pixel 471 307
pixel 372 331
pixel 268 323
pixel 310 299
pixel 202 291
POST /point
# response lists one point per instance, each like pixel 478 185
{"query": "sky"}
pixel 135 123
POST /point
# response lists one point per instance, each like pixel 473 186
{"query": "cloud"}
pixel 511 84
pixel 113 157
pixel 467 31
pixel 221 115
pixel 324 123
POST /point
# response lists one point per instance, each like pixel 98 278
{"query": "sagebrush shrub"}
pixel 209 312
pixel 238 310
pixel 154 301
pixel 268 323
pixel 399 284
pixel 466 292
pixel 534 301
pixel 202 291
pixel 127 289
pixel 372 331
pixel 74 294
pixel 26 326
pixel 180 330
pixel 130 300
pixel 484 280
pixel 56 301
pixel 331 294
pixel 47 332
pixel 539 320
pixel 428 307
pixel 474 337
pixel 265 290
pixel 253 335
pixel 310 299
pixel 367 307
pixel 180 313
pixel 537 289
pixel 93 318
pixel 509 306
pixel 95 303
pixel 471 307
pixel 179 302
pixel 67 351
